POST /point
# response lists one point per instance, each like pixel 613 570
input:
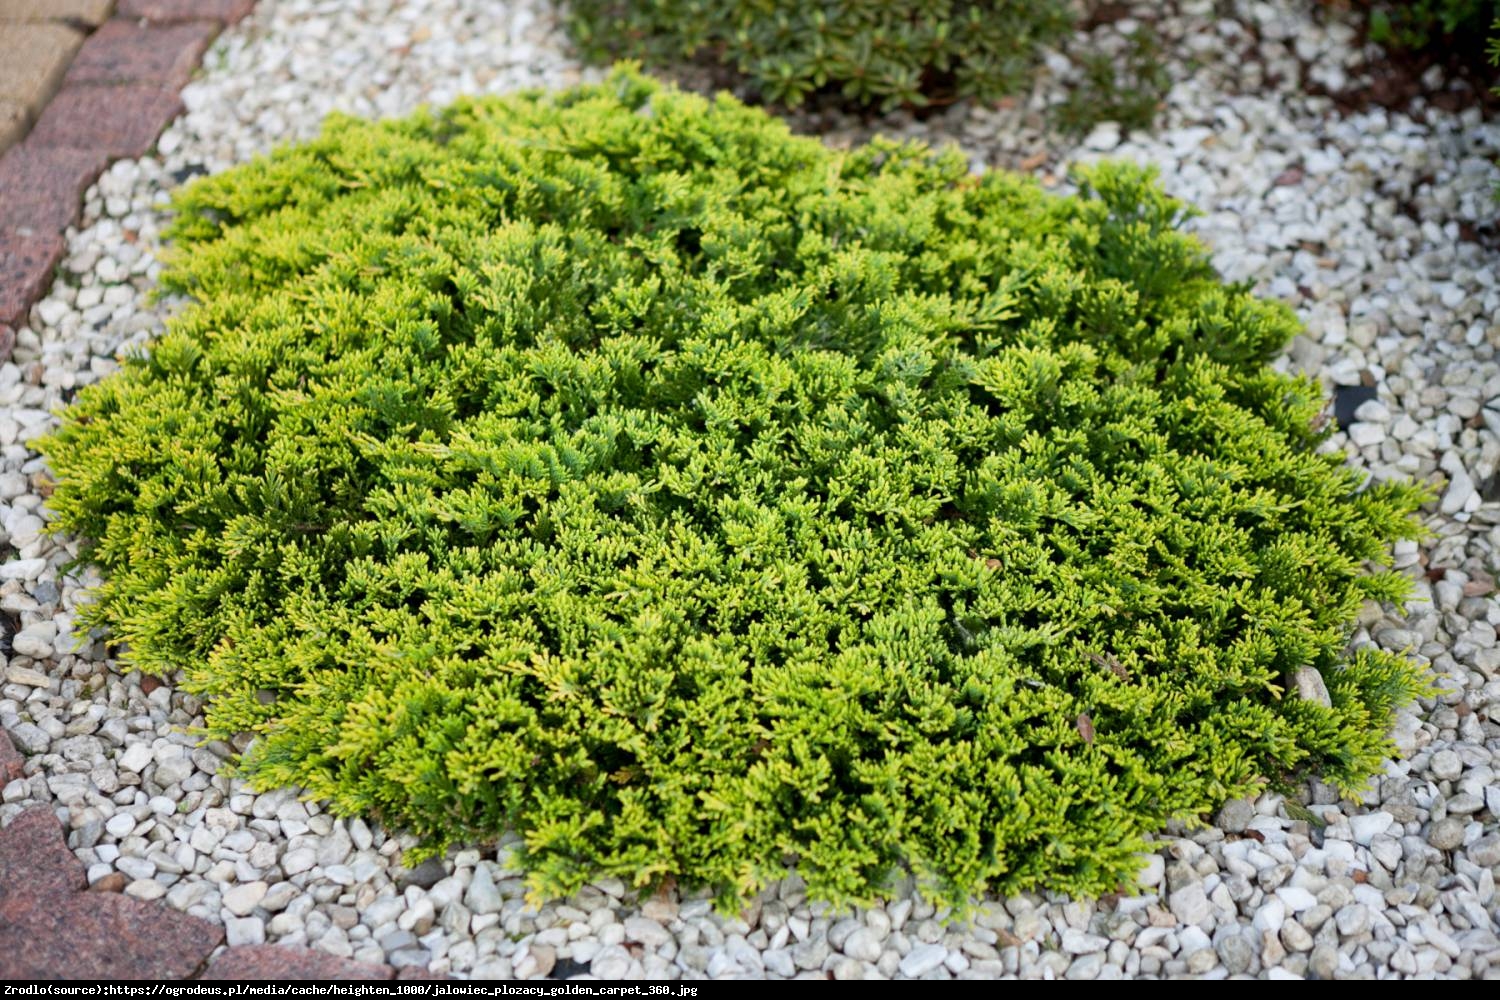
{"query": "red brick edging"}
pixel 118 93
pixel 53 926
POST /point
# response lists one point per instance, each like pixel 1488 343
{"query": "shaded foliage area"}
pixel 881 53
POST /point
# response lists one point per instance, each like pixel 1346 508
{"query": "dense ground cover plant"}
pixel 873 52
pixel 696 500
pixel 1418 24
pixel 1424 32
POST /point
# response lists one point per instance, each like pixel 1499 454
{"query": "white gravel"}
pixel 1364 223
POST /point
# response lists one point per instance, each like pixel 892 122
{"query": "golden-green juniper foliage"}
pixel 873 52
pixel 694 499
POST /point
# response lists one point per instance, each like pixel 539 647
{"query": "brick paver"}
pixel 227 11
pixel 33 59
pixel 123 51
pixel 34 862
pixel 82 12
pixel 101 935
pixel 43 186
pixel 27 263
pixel 52 927
pixel 122 121
pixel 77 90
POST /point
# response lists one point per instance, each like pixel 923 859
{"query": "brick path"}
pixel 82 83
pixel 53 925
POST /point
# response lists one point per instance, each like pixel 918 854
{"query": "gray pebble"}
pixel 1446 834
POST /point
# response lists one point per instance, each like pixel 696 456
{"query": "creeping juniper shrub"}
pixel 1420 24
pixel 880 53
pixel 1128 87
pixel 696 500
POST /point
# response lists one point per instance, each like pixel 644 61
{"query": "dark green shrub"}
pixel 1418 24
pixel 1128 88
pixel 1492 50
pixel 874 52
pixel 696 499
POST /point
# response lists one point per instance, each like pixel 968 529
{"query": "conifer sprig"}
pixel 615 466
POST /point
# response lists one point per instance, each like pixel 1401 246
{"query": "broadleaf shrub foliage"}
pixel 694 499
pixel 880 53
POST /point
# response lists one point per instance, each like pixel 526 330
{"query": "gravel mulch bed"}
pixel 1376 225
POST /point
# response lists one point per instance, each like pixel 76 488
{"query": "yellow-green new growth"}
pixel 615 466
